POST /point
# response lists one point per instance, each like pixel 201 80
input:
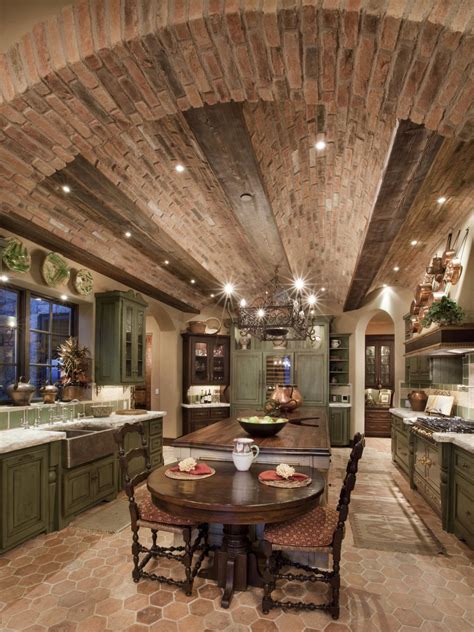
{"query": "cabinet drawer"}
pixel 219 413
pixel 463 509
pixel 464 463
pixel 402 453
pixel 156 444
pixel 156 427
pixel 200 413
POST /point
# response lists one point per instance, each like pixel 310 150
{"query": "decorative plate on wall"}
pixel 84 282
pixel 16 257
pixel 55 270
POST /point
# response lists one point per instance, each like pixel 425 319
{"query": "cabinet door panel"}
pixel 128 328
pixel 311 377
pixel 246 385
pixel 78 489
pixel 139 342
pixel 463 509
pixel 25 489
pixel 104 478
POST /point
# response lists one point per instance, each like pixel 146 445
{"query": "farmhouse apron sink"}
pixel 84 445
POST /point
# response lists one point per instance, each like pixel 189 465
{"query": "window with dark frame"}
pixel 31 329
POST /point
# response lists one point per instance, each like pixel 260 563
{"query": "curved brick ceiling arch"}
pixel 108 81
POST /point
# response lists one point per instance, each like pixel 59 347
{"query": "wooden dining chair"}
pixel 320 530
pixel 144 514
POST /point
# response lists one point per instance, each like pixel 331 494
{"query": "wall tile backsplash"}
pixel 14 416
pixel 463 393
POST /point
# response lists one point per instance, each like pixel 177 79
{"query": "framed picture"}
pixel 384 398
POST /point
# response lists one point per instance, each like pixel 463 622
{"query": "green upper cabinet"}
pixel 120 338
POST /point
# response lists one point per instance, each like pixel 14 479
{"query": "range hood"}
pixel 448 340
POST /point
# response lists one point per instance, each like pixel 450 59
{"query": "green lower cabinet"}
pixel 85 486
pixel 462 495
pixel 340 426
pixel 400 444
pixel 24 497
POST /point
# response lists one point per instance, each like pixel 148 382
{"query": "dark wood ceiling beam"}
pixel 223 138
pixel 101 201
pixel 413 153
pixel 49 240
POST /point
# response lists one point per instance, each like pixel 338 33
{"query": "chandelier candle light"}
pixel 277 313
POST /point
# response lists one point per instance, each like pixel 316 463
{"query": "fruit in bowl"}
pixel 262 426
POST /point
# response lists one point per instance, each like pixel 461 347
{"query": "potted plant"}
pixel 444 312
pixel 74 363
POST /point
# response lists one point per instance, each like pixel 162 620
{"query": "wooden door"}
pixel 379 362
pixel 310 375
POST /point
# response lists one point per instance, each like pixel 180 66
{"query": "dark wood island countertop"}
pixel 311 437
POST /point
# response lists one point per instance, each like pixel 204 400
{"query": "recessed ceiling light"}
pixel 243 303
pixel 166 262
pixel 4 278
pixel 320 145
pixel 323 289
pixel 413 242
pixel 441 200
pixel 128 234
pixel 64 297
pixel 246 197
pixel 384 285
pixel 179 168
pixel 193 281
pixel 396 268
pixel 212 295
pixel 66 188
pixel 228 289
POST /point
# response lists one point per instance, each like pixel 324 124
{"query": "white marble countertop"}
pixel 213 405
pixel 464 441
pixel 19 438
pixel 339 405
pixel 406 414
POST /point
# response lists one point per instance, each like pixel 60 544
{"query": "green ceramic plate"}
pixel 16 256
pixel 55 270
pixel 84 282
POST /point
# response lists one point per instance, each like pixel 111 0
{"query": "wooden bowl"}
pixel 265 429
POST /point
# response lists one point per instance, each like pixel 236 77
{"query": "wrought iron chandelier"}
pixel 279 312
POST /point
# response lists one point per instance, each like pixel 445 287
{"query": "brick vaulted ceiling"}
pixel 110 96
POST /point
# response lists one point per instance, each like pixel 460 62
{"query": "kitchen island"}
pixel 306 443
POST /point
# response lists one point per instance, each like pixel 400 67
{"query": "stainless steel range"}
pixel 426 426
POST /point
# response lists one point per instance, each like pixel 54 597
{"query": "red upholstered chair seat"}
pixel 150 513
pixel 312 530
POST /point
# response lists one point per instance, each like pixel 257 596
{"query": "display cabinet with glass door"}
pixel 379 362
pixel 205 360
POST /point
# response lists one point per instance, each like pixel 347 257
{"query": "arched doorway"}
pixel 379 374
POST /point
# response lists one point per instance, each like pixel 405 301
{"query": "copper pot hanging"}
pixel 422 293
pixel 415 324
pixel 436 266
pixel 453 271
pixel 414 308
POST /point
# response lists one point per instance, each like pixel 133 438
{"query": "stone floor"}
pixel 78 581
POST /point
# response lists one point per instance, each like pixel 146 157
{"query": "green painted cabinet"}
pixel 400 444
pixel 417 370
pixel 24 508
pixel 247 380
pixel 86 485
pixel 310 373
pixel 462 495
pixel 340 426
pixel 120 338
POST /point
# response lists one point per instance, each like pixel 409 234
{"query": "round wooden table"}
pixel 236 500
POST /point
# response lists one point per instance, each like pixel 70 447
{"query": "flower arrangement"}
pixel 285 471
pixel 444 312
pixel 187 465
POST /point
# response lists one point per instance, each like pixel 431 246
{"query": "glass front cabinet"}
pixel 120 316
pixel 206 360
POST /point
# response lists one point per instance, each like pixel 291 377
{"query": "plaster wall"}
pixel 395 302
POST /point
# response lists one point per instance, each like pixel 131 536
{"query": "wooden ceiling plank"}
pixel 51 241
pixel 413 153
pixel 223 137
